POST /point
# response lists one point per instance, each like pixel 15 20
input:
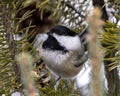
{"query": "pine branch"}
pixel 25 61
pixel 8 67
pixel 95 24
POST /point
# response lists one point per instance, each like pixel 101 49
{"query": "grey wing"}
pixel 82 56
pixel 81 59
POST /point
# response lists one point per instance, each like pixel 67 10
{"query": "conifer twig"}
pixel 25 62
pixel 95 52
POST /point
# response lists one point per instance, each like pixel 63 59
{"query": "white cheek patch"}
pixel 40 38
pixel 54 57
pixel 69 42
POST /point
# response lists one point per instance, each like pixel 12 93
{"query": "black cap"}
pixel 62 30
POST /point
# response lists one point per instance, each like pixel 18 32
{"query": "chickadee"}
pixel 62 52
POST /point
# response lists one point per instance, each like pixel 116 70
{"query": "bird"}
pixel 62 51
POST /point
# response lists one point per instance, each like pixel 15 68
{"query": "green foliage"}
pixel 9 46
pixel 8 77
pixel 111 43
pixel 68 12
pixel 64 89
